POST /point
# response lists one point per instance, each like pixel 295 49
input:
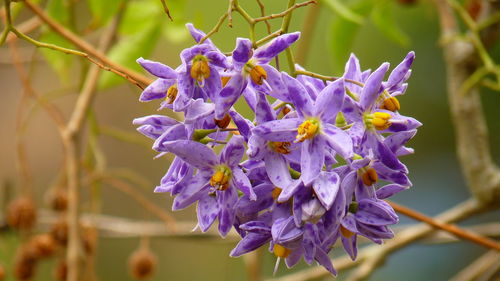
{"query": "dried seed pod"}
pixel 89 239
pixel 25 263
pixel 2 272
pixel 59 232
pixel 142 264
pixel 21 213
pixel 59 200
pixel 44 245
pixel 61 271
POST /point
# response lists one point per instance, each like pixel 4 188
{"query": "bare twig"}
pixel 126 73
pixel 165 8
pixel 263 13
pixel 215 28
pixel 285 12
pixel 479 266
pixel 25 27
pixel 230 13
pixel 453 229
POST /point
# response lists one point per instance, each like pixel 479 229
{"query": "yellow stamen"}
pixel 200 69
pixel 391 104
pixel 276 193
pixel 308 129
pixel 281 251
pixel 346 232
pixel 369 176
pixel 220 179
pixel 224 80
pixel 257 73
pixel 171 94
pixel 280 147
pixel 381 120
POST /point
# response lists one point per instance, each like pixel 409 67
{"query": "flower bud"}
pixel 312 211
pixel 21 213
pixel 142 264
pixel 224 122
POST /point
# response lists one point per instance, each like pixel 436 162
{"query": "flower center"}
pixel 308 129
pixel 391 104
pixel 377 120
pixel 171 94
pixel 257 73
pixel 220 179
pixel 369 176
pixel 280 147
pixel 281 251
pixel 200 69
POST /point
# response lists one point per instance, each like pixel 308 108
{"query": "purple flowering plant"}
pixel 310 167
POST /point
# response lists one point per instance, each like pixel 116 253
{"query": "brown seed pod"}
pixel 21 213
pixel 59 232
pixel 89 239
pixel 2 272
pixel 44 245
pixel 142 264
pixel 59 200
pixel 61 271
pixel 25 263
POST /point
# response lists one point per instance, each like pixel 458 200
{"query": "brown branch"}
pixel 453 229
pixel 165 8
pixel 106 64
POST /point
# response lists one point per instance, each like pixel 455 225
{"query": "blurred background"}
pixel 389 29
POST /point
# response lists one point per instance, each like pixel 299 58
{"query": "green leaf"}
pixel 339 8
pixel 140 15
pixel 343 34
pixel 128 49
pixel 102 11
pixel 383 18
pixel 58 61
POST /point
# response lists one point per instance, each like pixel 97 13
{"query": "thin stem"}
pixel 453 229
pixel 230 13
pixel 286 12
pixel 215 28
pixel 165 8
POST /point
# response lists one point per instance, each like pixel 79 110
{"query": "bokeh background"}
pixel 435 173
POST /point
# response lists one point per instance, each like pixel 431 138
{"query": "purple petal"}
pixel 196 33
pixel 218 59
pixel 266 53
pixel 326 187
pixel 156 90
pixel 156 120
pixel 229 95
pixel 243 51
pixel 289 190
pixel 213 84
pixel 194 153
pixel 193 190
pixel 277 170
pixel 373 213
pixel 250 242
pixel 372 87
pixel 330 100
pixel 284 230
pixel 308 243
pixel 338 140
pixel 233 151
pixel 397 140
pixel 313 158
pixel 227 199
pixel 275 81
pixel 278 130
pixel 323 259
pixel 207 211
pixel 157 69
pixel 350 246
pixel 241 181
pixel 398 74
pixel 353 72
pixel 174 133
pixel 299 96
pixel 263 111
pixel 197 110
pixel 389 190
pixel 185 87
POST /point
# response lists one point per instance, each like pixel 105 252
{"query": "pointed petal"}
pixel 338 139
pixel 174 133
pixel 299 96
pixel 277 169
pixel 243 51
pixel 193 190
pixel 372 87
pixel 398 74
pixel 389 190
pixel 263 111
pixel 157 69
pixel 326 187
pixel 266 53
pixel 227 199
pixel 229 95
pixel 241 181
pixel 207 211
pixel 233 151
pixel 194 153
pixel 279 130
pixel 373 213
pixel 329 101
pixel 250 242
pixel 197 110
pixel 313 158
pixel 156 90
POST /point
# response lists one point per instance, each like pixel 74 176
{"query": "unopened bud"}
pixel 59 232
pixel 59 200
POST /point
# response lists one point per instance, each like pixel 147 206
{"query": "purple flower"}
pixel 313 127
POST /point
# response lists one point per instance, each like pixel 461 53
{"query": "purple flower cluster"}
pixel 311 166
